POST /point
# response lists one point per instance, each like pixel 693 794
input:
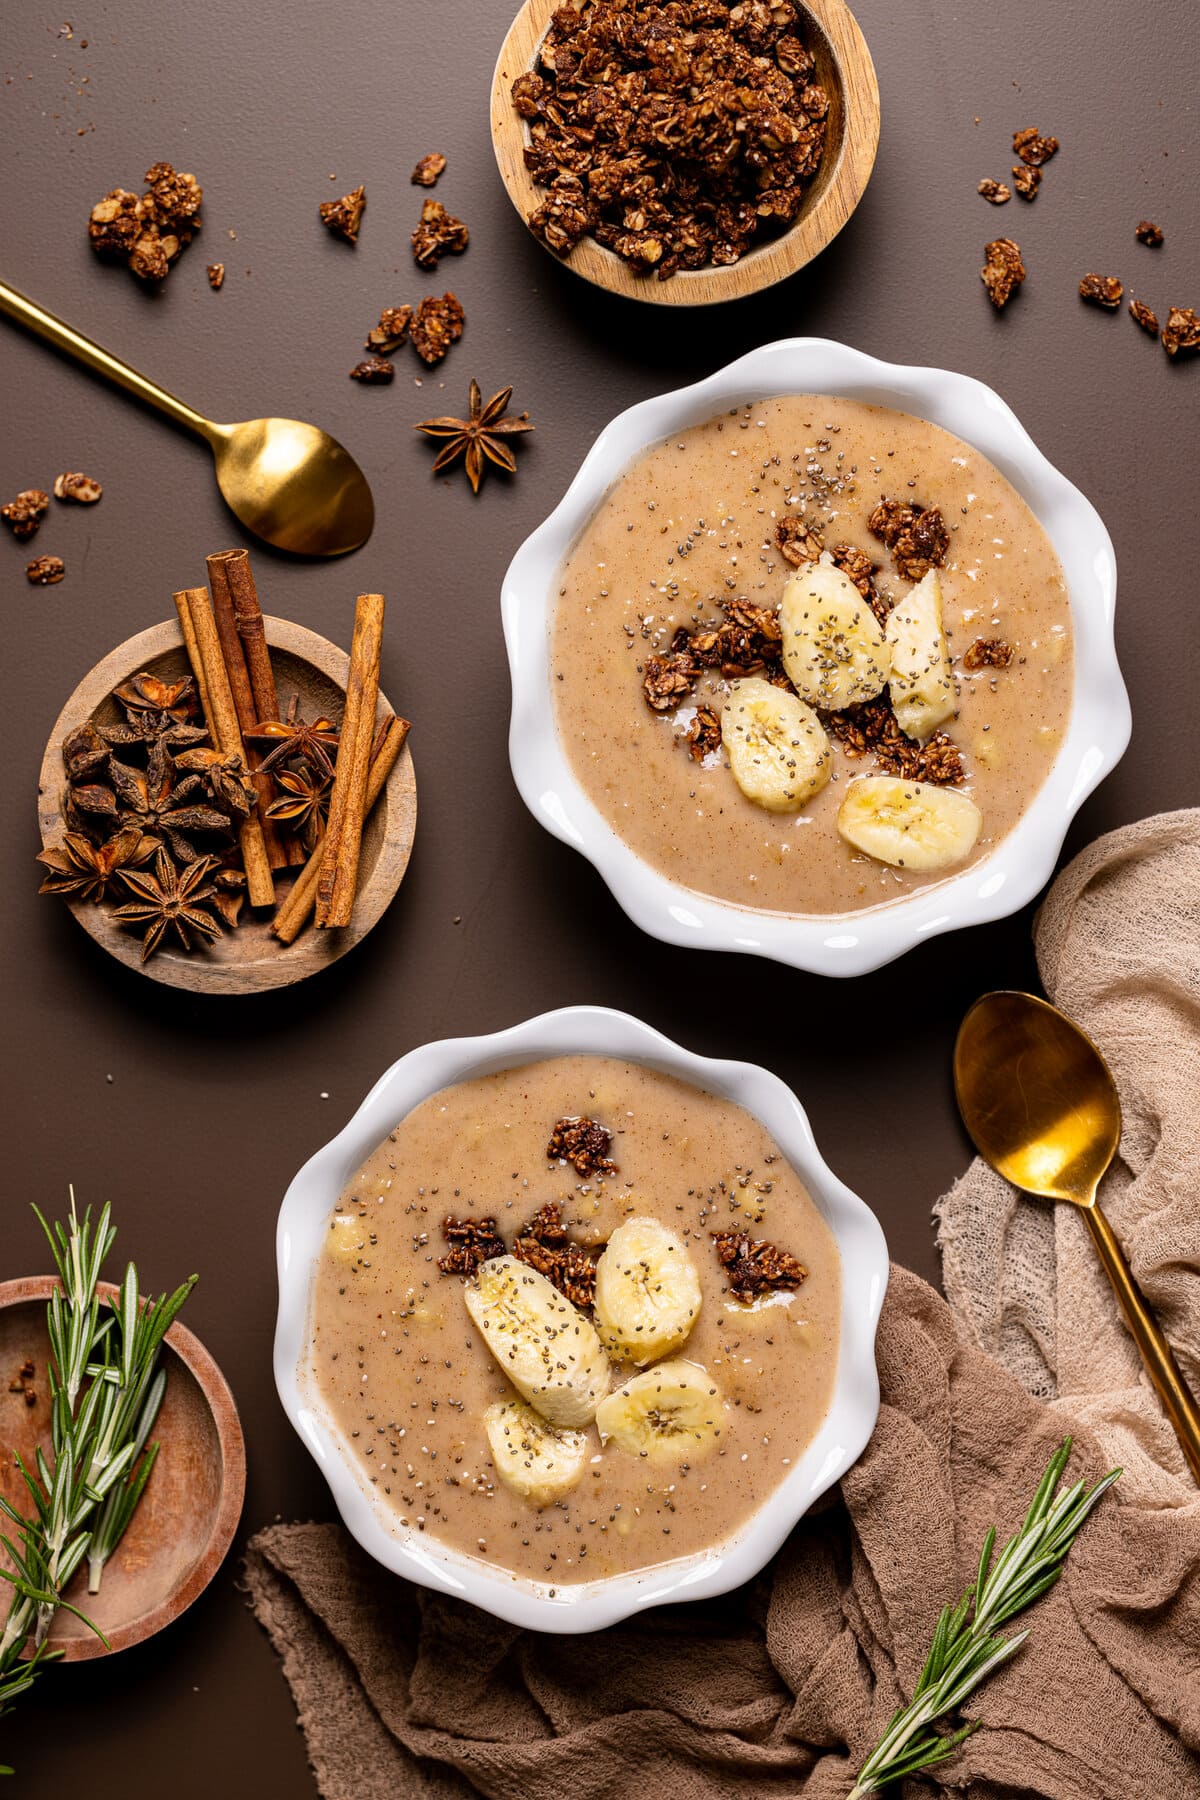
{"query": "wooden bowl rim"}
pixel 772 261
pixel 28 1289
pixel 288 963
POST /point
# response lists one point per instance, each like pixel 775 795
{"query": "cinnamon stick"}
pixel 338 878
pixel 243 639
pixel 296 910
pixel 203 641
pixel 220 569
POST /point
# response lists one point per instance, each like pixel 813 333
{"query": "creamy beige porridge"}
pixel 672 685
pixel 667 1408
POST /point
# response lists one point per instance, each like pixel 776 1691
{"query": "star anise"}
pixel 479 438
pixel 150 799
pixel 170 898
pixel 294 738
pixel 224 778
pixel 304 802
pixel 80 869
pixel 84 751
pixel 155 710
pixel 144 692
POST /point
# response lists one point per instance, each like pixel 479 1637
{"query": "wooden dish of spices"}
pixel 840 64
pixel 248 959
pixel 181 1532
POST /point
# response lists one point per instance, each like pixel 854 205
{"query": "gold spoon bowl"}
pixel 1041 1106
pixel 289 483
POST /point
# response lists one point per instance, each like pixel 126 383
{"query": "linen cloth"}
pixel 783 1687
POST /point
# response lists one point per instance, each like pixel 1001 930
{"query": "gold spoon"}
pixel 287 482
pixel 1038 1099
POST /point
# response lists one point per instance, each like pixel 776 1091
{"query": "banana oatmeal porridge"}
pixel 811 656
pixel 576 1319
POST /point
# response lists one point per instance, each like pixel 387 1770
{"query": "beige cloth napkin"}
pixel 782 1687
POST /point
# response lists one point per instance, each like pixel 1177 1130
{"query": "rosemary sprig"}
pixel 966 1646
pixel 105 1392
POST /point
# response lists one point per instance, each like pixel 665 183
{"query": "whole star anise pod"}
pixel 171 899
pixel 479 438
pixel 224 778
pixel 304 801
pixel 146 692
pixel 294 738
pixel 150 799
pixel 155 709
pixel 80 869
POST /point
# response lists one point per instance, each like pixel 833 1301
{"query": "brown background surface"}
pixel 192 1116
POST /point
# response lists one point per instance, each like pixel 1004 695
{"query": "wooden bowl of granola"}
pixel 831 121
pixel 245 959
pixel 185 1523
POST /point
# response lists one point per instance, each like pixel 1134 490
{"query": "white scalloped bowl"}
pixel 300 1237
pixel 848 943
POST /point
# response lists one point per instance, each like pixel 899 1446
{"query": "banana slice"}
pixel 834 649
pixel 910 824
pixel 647 1292
pixel 536 1460
pixel 669 1413
pixel 777 748
pixel 546 1347
pixel 921 684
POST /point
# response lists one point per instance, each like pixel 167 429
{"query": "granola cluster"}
pixel 472 1242
pixel 915 535
pixel 1148 232
pixel 428 169
pixel 1101 290
pixel 988 653
pixel 148 231
pixel 1032 148
pixel 674 132
pixel 45 571
pixel 1003 270
pixel 438 234
pixel 343 217
pixel 1181 331
pixel 74 485
pixel 748 642
pixel 584 1143
pixel 431 327
pixel 996 191
pixel 543 1245
pixel 755 1266
pixel 871 729
pixel 374 371
pixel 24 514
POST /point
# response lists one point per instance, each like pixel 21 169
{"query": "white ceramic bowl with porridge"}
pixel 575 1322
pixel 815 659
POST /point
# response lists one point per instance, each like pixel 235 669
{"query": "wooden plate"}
pixel 844 68
pixel 185 1522
pixel 248 960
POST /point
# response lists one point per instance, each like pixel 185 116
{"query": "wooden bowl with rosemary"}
pixel 837 60
pixel 181 1532
pixel 245 957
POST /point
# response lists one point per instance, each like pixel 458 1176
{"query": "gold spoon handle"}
pixel 100 361
pixel 1177 1398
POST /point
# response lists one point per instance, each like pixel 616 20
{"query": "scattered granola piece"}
pixel 438 234
pixel 674 136
pixel 1003 271
pixel 1143 316
pixel 1181 331
pixel 543 1245
pixel 871 729
pixel 148 259
pixel 216 276
pixel 374 371
pixel 915 535
pixel 703 734
pixel 1027 181
pixel 428 169
pixel 667 680
pixel 754 1266
pixel 995 191
pixel 797 541
pixel 343 217
pixel 1032 148
pixel 435 326
pixel 78 487
pixel 472 1242
pixel 391 330
pixel 44 571
pixel 1101 290
pixel 24 514
pixel 988 653
pixel 583 1143
pixel 116 223
pixel 1149 233
pixel 172 198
